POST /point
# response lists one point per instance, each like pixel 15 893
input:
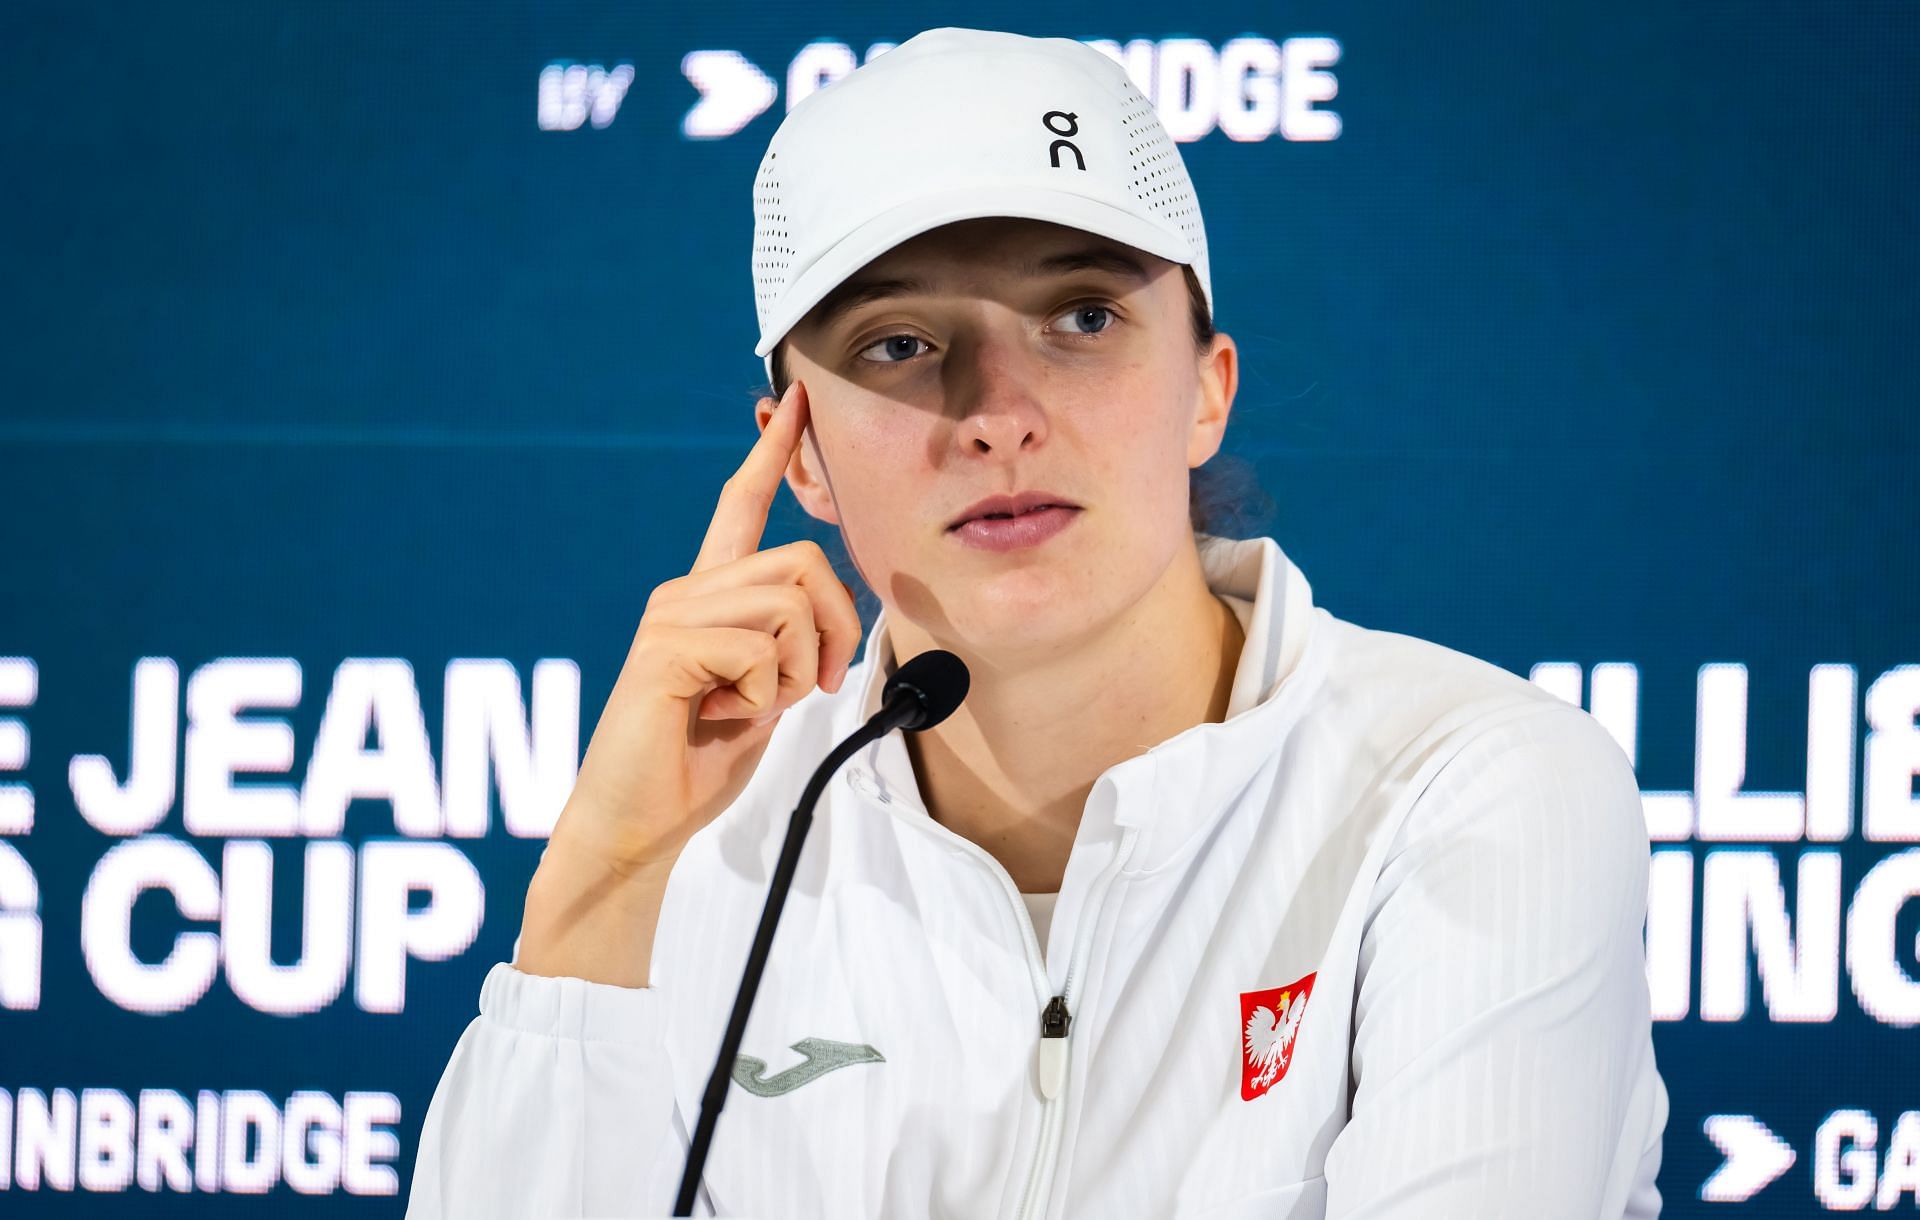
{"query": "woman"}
pixel 1347 923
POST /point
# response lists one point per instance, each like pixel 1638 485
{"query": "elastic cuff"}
pixel 571 1008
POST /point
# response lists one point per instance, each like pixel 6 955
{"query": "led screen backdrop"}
pixel 362 367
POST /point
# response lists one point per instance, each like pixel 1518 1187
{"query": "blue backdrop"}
pixel 363 364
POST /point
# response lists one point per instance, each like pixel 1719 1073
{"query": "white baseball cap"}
pixel 952 124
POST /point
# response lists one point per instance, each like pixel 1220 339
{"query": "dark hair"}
pixel 1223 493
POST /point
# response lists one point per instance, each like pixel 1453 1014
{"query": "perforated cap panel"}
pixel 1160 174
pixel 772 251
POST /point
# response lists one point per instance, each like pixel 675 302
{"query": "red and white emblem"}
pixel 1269 1020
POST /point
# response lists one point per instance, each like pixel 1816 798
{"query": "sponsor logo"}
pixel 822 1055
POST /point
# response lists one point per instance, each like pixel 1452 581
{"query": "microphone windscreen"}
pixel 936 681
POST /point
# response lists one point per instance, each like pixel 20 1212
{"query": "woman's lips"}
pixel 1012 533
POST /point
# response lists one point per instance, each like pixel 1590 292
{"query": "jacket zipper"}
pixel 1055 1016
pixel 1056 1021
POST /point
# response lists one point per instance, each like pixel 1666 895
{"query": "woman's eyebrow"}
pixel 1091 259
pixel 853 293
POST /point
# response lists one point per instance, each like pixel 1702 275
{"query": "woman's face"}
pixel 996 375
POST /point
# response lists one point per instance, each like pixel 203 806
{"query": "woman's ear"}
pixel 1219 378
pixel 803 469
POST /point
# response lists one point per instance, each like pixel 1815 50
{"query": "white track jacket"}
pixel 1369 947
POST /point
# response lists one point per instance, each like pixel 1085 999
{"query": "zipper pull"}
pixel 1053 1046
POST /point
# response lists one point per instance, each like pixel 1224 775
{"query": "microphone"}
pixel 920 694
pixel 923 692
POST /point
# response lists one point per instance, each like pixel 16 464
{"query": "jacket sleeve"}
pixel 1502 1040
pixel 558 1101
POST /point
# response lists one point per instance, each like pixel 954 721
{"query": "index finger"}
pixel 740 517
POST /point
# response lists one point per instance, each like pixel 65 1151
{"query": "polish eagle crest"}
pixel 1270 1023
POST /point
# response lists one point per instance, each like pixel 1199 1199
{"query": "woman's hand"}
pixel 719 654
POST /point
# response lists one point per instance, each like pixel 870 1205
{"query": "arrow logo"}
pixel 1755 1157
pixel 732 93
pixel 822 1055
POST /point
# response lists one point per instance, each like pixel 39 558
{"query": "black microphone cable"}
pixel 920 694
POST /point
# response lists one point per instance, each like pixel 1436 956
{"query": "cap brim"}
pixel 916 216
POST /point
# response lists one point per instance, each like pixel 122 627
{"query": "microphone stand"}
pixel 901 708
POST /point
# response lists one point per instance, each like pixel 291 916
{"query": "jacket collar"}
pixel 1179 787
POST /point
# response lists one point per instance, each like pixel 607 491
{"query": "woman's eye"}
pixel 894 345
pixel 1101 314
pixel 898 348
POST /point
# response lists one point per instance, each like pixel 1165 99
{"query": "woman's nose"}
pixel 1005 414
pixel 999 431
